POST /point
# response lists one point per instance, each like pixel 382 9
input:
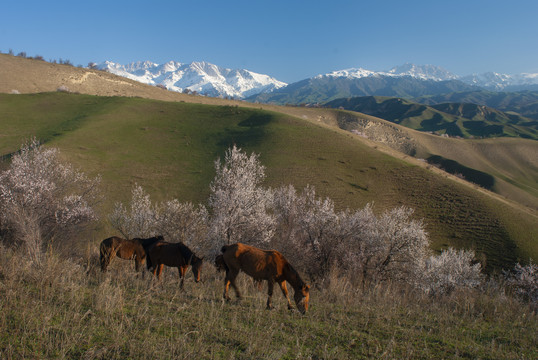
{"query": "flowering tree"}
pixel 524 281
pixel 43 198
pixel 238 204
pixel 358 242
pixel 139 220
pixel 183 222
pixel 396 244
pixel 453 269
pixel 177 222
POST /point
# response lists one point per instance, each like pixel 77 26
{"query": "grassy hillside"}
pixel 169 148
pixel 512 162
pixel 524 103
pixel 455 119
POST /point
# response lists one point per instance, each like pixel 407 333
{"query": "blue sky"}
pixel 289 40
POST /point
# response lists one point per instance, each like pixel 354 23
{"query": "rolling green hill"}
pixel 524 103
pixel 169 148
pixel 454 119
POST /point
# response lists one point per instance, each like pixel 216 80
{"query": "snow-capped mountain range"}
pixel 200 77
pixel 211 80
pixel 423 72
pixel 488 80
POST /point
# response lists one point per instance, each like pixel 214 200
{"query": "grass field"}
pixel 72 310
pixel 170 148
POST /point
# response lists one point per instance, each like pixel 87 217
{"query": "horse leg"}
pixel 160 270
pixel 285 292
pixel 231 274
pixel 182 270
pixel 270 285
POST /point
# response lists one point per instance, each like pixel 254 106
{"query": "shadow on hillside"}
pixel 480 178
pixel 248 132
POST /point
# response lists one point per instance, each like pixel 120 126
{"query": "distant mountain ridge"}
pixel 408 80
pixel 453 119
pixel 524 103
pixel 201 77
pixel 421 72
pixel 488 80
pixel 344 84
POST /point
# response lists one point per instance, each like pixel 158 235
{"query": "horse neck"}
pixel 187 253
pixel 292 277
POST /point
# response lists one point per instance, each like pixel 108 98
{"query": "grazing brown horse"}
pixel 124 249
pixel 267 265
pixel 174 255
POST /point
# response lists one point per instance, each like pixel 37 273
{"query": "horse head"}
pixel 196 264
pixel 301 298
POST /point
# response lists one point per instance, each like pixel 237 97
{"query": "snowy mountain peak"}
pixel 201 77
pixel 489 80
pixel 425 72
pixel 353 73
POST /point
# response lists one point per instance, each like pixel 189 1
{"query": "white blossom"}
pixel 42 197
pixel 238 204
pixel 524 282
pixel 451 270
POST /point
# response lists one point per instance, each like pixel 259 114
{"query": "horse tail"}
pixel 148 261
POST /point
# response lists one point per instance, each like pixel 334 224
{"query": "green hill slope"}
pixel 454 119
pixel 524 103
pixel 169 148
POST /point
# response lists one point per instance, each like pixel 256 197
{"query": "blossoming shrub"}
pixel 451 270
pixel 43 198
pixel 238 204
pixel 524 282
pixel 176 221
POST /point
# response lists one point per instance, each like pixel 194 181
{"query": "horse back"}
pixel 259 264
pixel 129 249
pixel 166 253
pixel 110 244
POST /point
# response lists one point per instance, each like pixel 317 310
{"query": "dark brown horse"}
pixel 124 249
pixel 267 265
pixel 175 255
